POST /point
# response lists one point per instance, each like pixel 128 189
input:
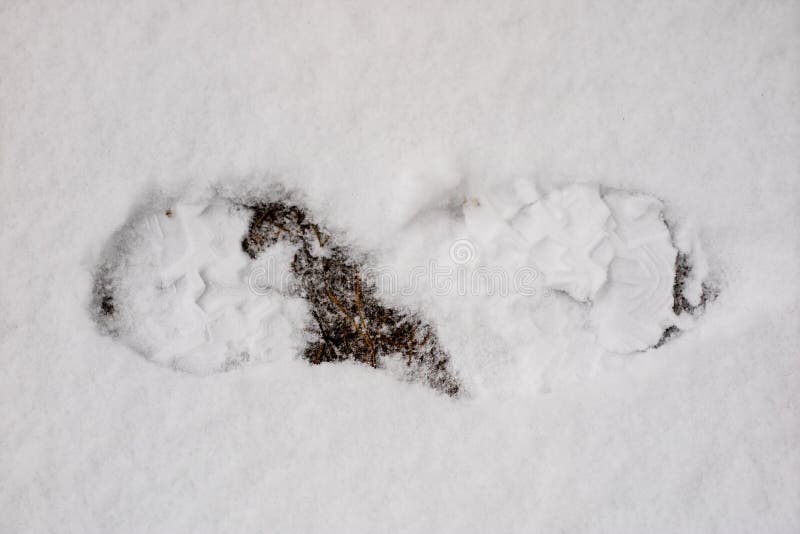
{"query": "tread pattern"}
pixel 569 240
pixel 183 298
pixel 635 307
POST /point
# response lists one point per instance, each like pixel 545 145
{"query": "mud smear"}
pixel 680 304
pixel 349 320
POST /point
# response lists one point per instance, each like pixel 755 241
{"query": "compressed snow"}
pixel 569 237
pixel 379 113
pixel 635 306
pixel 614 252
pixel 183 291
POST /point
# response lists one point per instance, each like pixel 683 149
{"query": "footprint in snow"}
pixel 207 287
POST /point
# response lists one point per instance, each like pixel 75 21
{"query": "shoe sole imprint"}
pixel 204 317
pixel 569 240
pixel 635 307
pixel 613 251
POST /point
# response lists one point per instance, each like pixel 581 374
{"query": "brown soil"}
pixel 349 320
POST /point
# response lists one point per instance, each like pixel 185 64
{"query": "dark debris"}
pixel 349 320
pixel 680 304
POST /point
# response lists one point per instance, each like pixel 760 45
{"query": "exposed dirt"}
pixel 680 304
pixel 350 322
pixel 683 270
pixel 103 304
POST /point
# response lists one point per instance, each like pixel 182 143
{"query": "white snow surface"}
pixel 568 230
pixel 635 306
pixel 182 291
pixel 381 113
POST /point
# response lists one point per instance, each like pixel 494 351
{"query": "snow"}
pixel 571 248
pixel 179 288
pixel 381 114
pixel 636 305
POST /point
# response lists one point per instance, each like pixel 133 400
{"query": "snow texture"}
pixel 177 284
pixel 419 132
